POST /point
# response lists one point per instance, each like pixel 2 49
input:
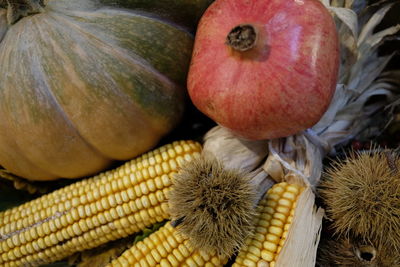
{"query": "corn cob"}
pixel 276 213
pixel 91 212
pixel 163 248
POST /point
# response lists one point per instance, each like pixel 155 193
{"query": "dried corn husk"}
pixel 300 248
pixel 232 151
pixel 237 153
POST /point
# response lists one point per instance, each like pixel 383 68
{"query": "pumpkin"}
pixel 84 83
pixel 184 12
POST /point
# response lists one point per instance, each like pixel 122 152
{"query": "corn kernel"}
pixel 285 202
pixel 272 247
pixel 112 205
pixel 277 223
pixel 184 251
pixel 284 210
pixel 156 256
pixel 249 263
pixel 267 255
pixel 272 238
pixel 293 189
pixel 279 216
pixel 259 237
pixel 276 215
pixel 252 257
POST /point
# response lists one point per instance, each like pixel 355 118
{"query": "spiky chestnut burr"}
pixel 214 206
pixel 362 197
pixel 353 252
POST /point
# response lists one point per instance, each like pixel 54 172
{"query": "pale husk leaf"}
pixel 232 151
pixel 356 6
pixel 375 19
pixel 374 40
pixel 304 233
pixel 296 156
pixel 236 153
pixel 348 17
pixel 347 26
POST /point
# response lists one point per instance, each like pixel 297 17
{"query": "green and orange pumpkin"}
pixel 87 82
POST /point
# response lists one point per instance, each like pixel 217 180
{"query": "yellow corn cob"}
pixel 276 213
pixel 164 248
pixel 91 212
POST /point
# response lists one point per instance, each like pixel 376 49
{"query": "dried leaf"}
pixel 365 74
pixel 357 6
pixel 274 168
pixel 348 17
pixel 299 155
pixel 337 3
pixel 338 102
pixel 304 233
pixel 376 38
pixel 233 151
pixel 369 27
pixel 325 3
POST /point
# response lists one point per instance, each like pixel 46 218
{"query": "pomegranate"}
pixel 264 69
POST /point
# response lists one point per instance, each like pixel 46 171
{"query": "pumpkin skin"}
pixel 184 12
pixel 83 84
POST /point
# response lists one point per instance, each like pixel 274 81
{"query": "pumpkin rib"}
pixel 133 13
pixel 24 167
pixel 67 118
pixel 21 145
pixel 186 13
pixel 136 59
pixel 121 54
pixel 73 17
pixel 21 164
pixel 151 16
pixel 94 86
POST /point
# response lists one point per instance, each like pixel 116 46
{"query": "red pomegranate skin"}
pixel 278 88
